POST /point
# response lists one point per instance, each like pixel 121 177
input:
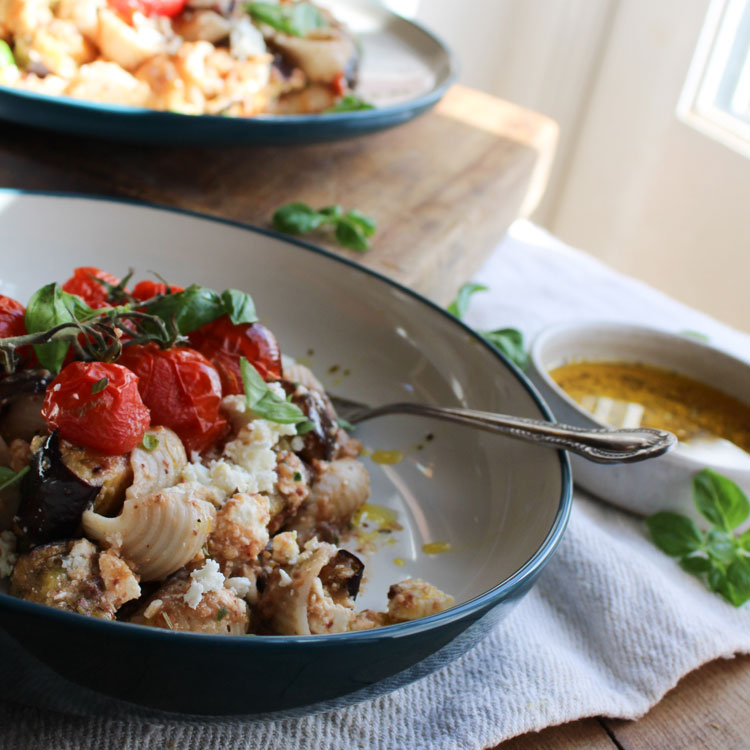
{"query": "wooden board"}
pixel 443 189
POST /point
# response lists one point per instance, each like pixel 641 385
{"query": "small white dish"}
pixel 663 483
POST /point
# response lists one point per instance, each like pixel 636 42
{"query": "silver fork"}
pixel 604 446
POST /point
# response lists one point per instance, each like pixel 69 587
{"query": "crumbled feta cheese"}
pixel 285 549
pixel 245 40
pixel 244 588
pixel 153 609
pixel 205 579
pixel 284 577
pixel 248 464
pixel 297 443
pixel 77 562
pixel 8 556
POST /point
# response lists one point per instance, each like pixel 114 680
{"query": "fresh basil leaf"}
pixel 255 387
pixel 721 546
pixel 6 55
pixel 190 309
pixel 350 234
pixel 510 342
pixel 305 427
pixel 239 306
pixel 674 534
pixel 744 540
pixel 720 500
pixel 297 19
pixel 77 307
pixel 344 424
pixel 460 306
pixel 716 577
pixel 296 218
pixel 47 308
pixel 274 409
pixel 349 103
pixel 695 565
pixel 9 477
pixel 332 212
pixel 99 386
pixel 366 224
pixel 738 578
pixel 149 442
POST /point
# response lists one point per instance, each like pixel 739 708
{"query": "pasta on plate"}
pixel 194 57
pixel 161 465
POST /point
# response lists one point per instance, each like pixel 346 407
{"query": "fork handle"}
pixel 604 446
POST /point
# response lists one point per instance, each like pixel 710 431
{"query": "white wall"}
pixel 631 184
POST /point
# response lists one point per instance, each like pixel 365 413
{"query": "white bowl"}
pixel 657 484
pixel 501 504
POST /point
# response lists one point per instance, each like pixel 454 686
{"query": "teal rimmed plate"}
pixel 501 505
pixel 405 71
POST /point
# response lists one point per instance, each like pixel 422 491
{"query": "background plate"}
pixel 405 71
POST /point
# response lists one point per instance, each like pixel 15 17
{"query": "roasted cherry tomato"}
pixel 182 389
pixel 148 7
pixel 97 405
pixel 11 318
pixel 89 290
pixel 144 290
pixel 224 343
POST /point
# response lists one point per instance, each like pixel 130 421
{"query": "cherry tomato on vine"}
pixel 11 318
pixel 89 290
pixel 182 389
pixel 97 405
pixel 148 7
pixel 224 343
pixel 144 290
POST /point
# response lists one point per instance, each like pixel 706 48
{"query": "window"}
pixel 716 97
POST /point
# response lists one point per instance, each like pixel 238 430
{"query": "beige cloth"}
pixel 611 626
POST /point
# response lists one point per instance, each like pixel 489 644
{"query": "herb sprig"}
pixel 352 228
pixel 297 19
pixel 349 103
pixel 508 340
pixel 56 321
pixel 719 556
pixel 262 400
pixel 9 477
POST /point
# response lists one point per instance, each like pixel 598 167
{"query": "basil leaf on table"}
pixel 460 306
pixel 720 555
pixel 508 340
pixel 674 534
pixel 239 306
pixel 349 234
pixel 47 308
pixel 351 229
pixel 297 218
pixel 720 500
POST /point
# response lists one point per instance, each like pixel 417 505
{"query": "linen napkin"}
pixel 610 627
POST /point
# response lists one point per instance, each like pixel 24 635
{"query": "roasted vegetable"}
pixel 321 440
pixel 21 398
pixel 52 497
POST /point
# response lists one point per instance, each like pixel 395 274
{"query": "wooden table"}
pixel 443 189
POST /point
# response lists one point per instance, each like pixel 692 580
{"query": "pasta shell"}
pixel 159 468
pixel 157 534
pixel 341 490
pixel 315 595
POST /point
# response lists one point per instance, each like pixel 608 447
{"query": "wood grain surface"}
pixel 443 188
pixel 708 709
